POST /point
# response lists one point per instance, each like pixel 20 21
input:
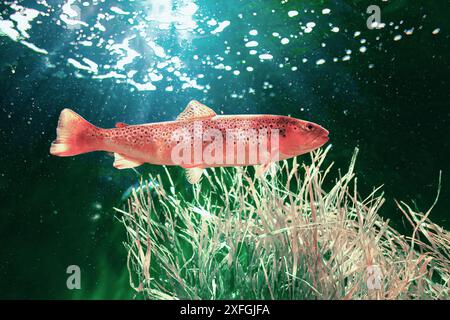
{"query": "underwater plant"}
pixel 280 237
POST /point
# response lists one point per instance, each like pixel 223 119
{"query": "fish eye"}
pixel 309 127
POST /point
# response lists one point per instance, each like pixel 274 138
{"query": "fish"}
pixel 198 139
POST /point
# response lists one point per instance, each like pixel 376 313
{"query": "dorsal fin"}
pixel 196 110
pixel 121 125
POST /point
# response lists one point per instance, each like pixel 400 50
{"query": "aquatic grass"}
pixel 280 237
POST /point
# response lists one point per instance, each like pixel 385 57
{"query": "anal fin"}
pixel 263 169
pixel 123 162
pixel 194 175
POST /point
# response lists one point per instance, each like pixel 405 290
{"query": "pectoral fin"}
pixel 194 175
pixel 123 162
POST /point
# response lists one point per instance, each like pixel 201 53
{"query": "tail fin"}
pixel 74 135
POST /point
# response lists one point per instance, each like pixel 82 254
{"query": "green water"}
pixel 388 96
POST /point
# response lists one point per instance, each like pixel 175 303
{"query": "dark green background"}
pixel 397 113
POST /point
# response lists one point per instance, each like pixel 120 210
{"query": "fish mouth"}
pixel 323 138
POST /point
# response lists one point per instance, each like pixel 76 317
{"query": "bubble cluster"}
pixel 164 45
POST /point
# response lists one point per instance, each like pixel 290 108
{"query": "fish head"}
pixel 302 137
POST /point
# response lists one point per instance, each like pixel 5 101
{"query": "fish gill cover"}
pixel 381 84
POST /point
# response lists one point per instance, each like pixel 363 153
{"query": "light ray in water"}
pixel 163 45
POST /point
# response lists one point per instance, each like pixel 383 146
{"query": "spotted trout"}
pixel 196 140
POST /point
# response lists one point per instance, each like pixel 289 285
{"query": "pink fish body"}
pixel 196 140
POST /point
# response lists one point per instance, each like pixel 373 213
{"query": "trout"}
pixel 196 140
